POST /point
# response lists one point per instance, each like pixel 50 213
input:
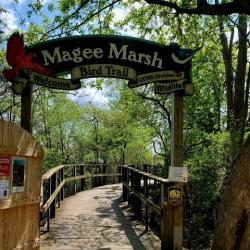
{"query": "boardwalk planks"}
pixel 19 208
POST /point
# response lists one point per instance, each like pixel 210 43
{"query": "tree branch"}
pixel 195 145
pixel 88 18
pixel 164 155
pixel 66 18
pixel 203 8
pixel 162 106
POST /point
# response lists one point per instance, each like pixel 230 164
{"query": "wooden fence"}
pixel 146 192
pixel 67 180
pixel 150 194
pixel 20 175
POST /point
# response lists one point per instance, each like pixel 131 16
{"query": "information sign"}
pixel 18 166
pixel 4 187
pixel 178 174
pixel 4 165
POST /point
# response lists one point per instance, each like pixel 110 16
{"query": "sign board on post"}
pixel 4 165
pixel 178 174
pixel 169 87
pixel 165 88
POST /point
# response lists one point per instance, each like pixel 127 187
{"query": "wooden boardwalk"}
pixel 95 219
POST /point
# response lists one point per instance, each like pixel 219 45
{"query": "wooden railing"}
pixel 149 196
pixel 146 192
pixel 66 180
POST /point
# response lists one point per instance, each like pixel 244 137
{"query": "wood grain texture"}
pixel 19 213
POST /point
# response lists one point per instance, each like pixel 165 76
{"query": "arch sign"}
pixel 139 61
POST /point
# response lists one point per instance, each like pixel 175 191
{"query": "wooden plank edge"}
pixel 75 178
pixel 11 204
pixel 30 245
pixel 27 152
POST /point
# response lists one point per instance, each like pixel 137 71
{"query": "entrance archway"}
pixel 139 61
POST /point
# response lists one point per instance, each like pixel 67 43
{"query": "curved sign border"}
pixel 136 60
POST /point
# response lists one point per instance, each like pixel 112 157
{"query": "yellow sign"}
pixel 175 195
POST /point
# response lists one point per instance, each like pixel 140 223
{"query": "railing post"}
pixel 82 169
pixel 58 182
pixel 119 172
pixel 166 220
pixel 52 189
pixel 62 178
pixel 104 178
pixel 94 180
pixel 132 181
pixel 137 200
pixel 145 180
pixel 98 179
pixel 74 174
pixel 125 180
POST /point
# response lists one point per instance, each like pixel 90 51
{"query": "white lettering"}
pixel 132 56
pixel 87 53
pixel 48 58
pixel 98 53
pixel 155 60
pixel 114 50
pixel 77 55
pixel 66 56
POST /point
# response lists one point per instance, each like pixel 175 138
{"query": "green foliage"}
pixel 52 158
pixel 207 165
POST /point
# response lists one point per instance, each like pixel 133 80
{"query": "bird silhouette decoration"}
pixel 182 56
pixel 19 60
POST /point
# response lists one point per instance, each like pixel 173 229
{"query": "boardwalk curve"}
pixel 93 220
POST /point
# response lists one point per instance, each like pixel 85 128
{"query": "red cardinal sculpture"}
pixel 18 59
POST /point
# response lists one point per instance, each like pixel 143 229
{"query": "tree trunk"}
pixel 235 81
pixel 233 227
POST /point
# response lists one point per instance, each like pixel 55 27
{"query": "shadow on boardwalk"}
pixel 94 219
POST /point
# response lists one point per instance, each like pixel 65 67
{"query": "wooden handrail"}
pixel 139 183
pixel 148 175
pixel 52 171
pixel 57 180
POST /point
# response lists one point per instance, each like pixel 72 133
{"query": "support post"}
pixel 119 172
pixel 82 169
pixel 26 108
pixel 145 182
pixel 174 214
pixel 74 174
pixel 52 189
pixel 62 178
pixel 104 171
pixel 166 221
pixel 59 182
pixel 124 179
pixel 137 201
